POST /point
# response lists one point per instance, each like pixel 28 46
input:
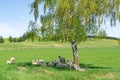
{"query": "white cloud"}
pixel 7 30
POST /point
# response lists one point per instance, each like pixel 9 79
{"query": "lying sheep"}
pixel 11 61
pixel 50 64
pixel 37 62
pixel 61 65
pixel 53 63
pixel 61 59
pixel 34 62
pixel 70 64
pixel 43 64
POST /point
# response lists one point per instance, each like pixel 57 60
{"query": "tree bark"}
pixel 75 56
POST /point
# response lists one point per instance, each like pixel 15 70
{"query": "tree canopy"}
pixel 67 20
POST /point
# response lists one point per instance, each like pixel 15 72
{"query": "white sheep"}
pixel 37 62
pixel 40 60
pixel 34 62
pixel 11 61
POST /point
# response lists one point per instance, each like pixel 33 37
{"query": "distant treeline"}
pixel 1 39
pixel 101 37
pixel 14 39
pixel 23 38
pixel 20 39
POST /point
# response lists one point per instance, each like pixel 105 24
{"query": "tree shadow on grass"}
pixel 84 66
pixel 27 64
pixel 24 64
pixel 90 66
pixel 30 65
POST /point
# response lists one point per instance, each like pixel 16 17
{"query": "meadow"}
pixel 99 58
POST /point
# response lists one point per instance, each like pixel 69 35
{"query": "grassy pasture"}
pixel 100 58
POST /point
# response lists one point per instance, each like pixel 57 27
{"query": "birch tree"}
pixel 71 19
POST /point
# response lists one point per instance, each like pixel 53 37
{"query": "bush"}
pixel 1 39
pixel 14 40
pixel 10 39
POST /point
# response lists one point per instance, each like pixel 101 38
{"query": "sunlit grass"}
pixel 101 60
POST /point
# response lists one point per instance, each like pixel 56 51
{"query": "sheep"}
pixel 43 64
pixel 11 61
pixel 37 62
pixel 40 60
pixel 50 64
pixel 61 59
pixel 61 65
pixel 70 64
pixel 34 62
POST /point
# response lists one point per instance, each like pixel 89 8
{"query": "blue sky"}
pixel 14 19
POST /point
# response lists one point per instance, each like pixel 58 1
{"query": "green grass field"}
pixel 100 58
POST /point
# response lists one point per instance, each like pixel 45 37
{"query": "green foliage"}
pixel 1 39
pixel 101 34
pixel 19 39
pixel 32 32
pixel 14 39
pixel 67 20
pixel 10 39
pixel 22 38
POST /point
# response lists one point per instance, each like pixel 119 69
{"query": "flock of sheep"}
pixel 60 63
pixel 56 63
